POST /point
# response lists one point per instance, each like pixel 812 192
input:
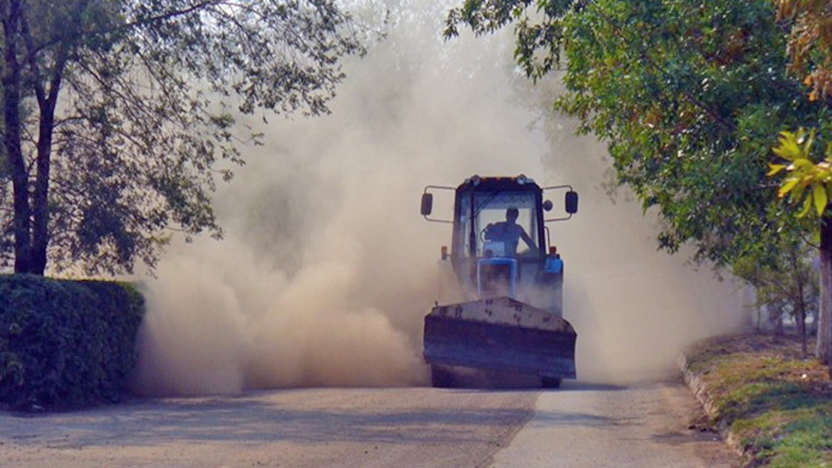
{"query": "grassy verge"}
pixel 775 404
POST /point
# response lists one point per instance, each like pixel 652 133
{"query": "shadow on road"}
pixel 262 417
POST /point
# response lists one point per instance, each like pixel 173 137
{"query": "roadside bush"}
pixel 65 344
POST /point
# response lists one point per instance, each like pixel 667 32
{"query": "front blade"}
pixel 500 334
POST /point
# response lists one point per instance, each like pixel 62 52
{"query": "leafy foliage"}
pixel 687 96
pixel 806 182
pixel 65 343
pixel 126 114
pixel 810 43
pixel 485 16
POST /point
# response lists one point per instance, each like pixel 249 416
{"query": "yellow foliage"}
pixel 811 30
pixel 806 181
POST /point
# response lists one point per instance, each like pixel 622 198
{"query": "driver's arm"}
pixel 528 240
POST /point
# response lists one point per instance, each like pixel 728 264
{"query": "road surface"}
pixel 578 426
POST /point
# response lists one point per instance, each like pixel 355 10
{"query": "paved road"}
pixel 579 425
pixel 634 427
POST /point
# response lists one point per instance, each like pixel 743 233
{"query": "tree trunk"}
pixel 12 12
pixel 801 326
pixel 824 343
pixel 40 230
pixel 813 330
pixel 47 101
pixel 40 208
pixel 776 319
pixel 800 299
pixel 777 322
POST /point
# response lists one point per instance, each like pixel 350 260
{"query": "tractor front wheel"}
pixel 550 382
pixel 441 377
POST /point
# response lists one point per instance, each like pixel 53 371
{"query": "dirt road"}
pixel 414 427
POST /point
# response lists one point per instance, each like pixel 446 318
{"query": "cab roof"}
pixel 486 184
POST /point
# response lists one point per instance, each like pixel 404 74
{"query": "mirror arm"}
pixel 554 187
pixel 437 187
pixel 558 219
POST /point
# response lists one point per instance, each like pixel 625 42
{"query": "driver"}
pixel 510 233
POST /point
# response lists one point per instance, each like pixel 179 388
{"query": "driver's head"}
pixel 512 214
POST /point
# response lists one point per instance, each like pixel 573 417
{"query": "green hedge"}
pixel 65 344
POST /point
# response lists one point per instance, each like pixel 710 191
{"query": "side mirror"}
pixel 571 202
pixel 547 205
pixel 427 204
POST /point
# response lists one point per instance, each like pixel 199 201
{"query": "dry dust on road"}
pixel 579 425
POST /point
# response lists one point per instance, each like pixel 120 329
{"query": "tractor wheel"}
pixel 550 382
pixel 441 377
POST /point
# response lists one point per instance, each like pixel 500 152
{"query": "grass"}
pixel 776 403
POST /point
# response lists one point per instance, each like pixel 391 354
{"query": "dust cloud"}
pixel 634 307
pixel 327 270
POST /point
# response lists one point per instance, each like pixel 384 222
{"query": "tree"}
pixel 810 185
pixel 685 94
pixel 118 115
pixel 688 97
pixel 782 295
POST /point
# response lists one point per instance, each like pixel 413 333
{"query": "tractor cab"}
pixel 500 244
pixel 494 218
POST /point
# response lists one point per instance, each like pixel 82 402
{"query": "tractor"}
pixel 511 276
